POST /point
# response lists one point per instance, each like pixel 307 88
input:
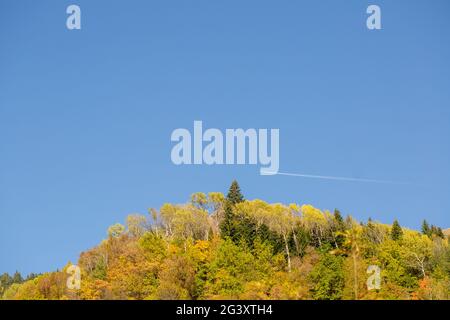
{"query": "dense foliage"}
pixel 218 247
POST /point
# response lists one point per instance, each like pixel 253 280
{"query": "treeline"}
pixel 7 280
pixel 217 247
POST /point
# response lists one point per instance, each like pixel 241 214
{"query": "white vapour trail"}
pixel 336 178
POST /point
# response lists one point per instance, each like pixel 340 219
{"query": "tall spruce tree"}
pixel 234 193
pixel 426 228
pixel 396 231
pixel 228 225
pixel 339 220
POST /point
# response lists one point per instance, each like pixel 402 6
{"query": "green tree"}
pixel 17 277
pixel 426 228
pixel 5 282
pixel 232 266
pixel 396 231
pixel 327 277
pixel 351 247
pixel 228 225
pixel 234 195
pixel 338 220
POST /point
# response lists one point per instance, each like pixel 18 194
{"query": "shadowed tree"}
pixel 234 196
pixel 426 228
pixel 396 231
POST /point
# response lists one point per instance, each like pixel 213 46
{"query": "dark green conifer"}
pixel 228 225
pixel 396 231
pixel 426 228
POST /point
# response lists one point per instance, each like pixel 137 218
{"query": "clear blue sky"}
pixel 86 116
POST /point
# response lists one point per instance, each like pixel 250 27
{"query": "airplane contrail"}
pixel 336 178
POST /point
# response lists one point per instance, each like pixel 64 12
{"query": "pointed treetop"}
pixel 234 194
pixel 339 220
pixel 426 228
pixel 17 277
pixel 396 231
pixel 338 216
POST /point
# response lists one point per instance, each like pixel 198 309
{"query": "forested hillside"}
pixel 226 247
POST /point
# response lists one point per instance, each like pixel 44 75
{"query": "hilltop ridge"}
pixel 226 247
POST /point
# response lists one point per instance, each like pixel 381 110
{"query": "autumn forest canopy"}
pixel 220 246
